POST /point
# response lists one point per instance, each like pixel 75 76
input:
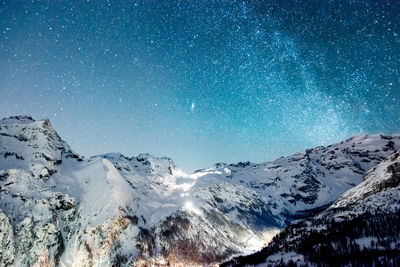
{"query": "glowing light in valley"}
pixel 190 207
pixel 187 186
pixel 269 234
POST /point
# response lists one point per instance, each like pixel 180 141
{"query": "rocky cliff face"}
pixel 57 207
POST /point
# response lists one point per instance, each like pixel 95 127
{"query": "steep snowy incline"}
pixel 157 183
pixel 384 176
pixel 33 146
pixel 360 228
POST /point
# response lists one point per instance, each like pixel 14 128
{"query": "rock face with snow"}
pixel 361 228
pixel 57 207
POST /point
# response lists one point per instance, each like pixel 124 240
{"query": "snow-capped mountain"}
pixel 361 228
pixel 58 207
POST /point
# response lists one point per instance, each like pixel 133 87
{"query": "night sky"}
pixel 202 81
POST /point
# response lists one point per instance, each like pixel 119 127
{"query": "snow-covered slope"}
pixel 296 185
pixel 360 228
pixel 111 209
pixel 31 145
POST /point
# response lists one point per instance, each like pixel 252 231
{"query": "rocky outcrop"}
pixel 7 250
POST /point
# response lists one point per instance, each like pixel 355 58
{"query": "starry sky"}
pixel 202 81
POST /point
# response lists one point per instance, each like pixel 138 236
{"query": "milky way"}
pixel 202 81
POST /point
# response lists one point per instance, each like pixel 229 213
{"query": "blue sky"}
pixel 202 81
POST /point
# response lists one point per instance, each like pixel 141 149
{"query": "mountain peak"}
pixel 144 162
pixel 31 145
pixel 17 119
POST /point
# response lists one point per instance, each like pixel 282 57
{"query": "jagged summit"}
pixel 143 162
pixel 24 128
pixel 19 119
pixel 31 145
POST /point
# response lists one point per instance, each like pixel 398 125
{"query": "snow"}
pixel 113 196
pixel 275 259
pixel 269 234
pixel 372 181
pixel 190 207
pixel 365 242
pixel 105 194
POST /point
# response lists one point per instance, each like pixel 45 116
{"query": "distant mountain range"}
pixel 59 208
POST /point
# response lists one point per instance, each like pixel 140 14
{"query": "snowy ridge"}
pixel 307 180
pixel 111 209
pixel 384 176
pixel 360 228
